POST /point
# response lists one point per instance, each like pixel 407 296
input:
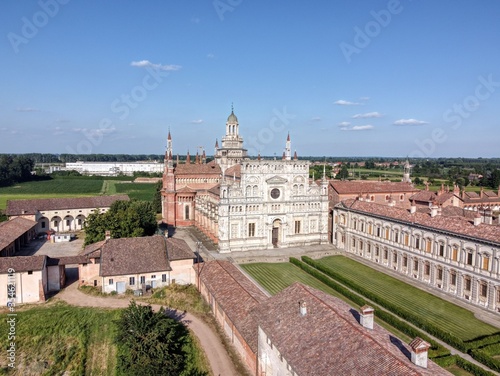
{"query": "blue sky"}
pixel 345 78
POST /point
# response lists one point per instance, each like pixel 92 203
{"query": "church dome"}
pixel 232 118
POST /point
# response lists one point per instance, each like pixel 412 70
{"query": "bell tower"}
pixel 231 151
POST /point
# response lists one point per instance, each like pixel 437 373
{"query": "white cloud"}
pixel 95 131
pixel 344 124
pixel 362 127
pixel 342 102
pixel 148 64
pixel 316 118
pixel 27 109
pixel 358 128
pixel 367 115
pixel 410 122
pixel 197 121
pixel 210 56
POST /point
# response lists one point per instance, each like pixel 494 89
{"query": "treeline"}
pixel 15 169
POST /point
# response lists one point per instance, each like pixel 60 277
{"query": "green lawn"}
pixel 275 277
pixel 55 339
pixel 456 320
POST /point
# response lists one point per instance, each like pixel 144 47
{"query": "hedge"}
pixel 437 349
pixel 486 359
pixel 448 361
pixel 408 316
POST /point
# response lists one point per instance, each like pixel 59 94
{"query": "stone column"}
pixel 446 276
pixel 491 295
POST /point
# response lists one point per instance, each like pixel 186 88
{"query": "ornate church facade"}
pixel 243 203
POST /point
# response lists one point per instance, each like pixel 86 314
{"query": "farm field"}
pixel 76 187
pixel 456 320
pixel 274 277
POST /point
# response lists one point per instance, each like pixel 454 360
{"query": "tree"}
pixel 157 197
pixel 343 173
pixel 124 219
pixel 150 343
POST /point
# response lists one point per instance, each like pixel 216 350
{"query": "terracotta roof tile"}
pixel 178 249
pixel 328 337
pixel 460 226
pixel 21 207
pixel 366 186
pixel 197 168
pixel 13 229
pixel 22 263
pixel 134 256
pixel 236 295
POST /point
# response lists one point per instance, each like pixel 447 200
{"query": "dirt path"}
pixel 217 356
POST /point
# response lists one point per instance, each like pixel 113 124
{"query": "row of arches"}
pixel 61 224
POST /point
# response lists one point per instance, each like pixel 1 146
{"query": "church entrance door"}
pixel 276 232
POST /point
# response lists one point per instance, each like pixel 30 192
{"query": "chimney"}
pixel 477 219
pixel 366 317
pixel 434 209
pixel 488 216
pixel 419 352
pixel 303 308
pixel 107 235
pixel 413 207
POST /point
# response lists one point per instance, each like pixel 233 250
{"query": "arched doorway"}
pixel 276 233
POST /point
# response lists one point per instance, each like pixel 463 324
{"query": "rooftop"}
pixel 366 186
pixel 460 225
pixel 236 295
pixel 13 229
pixel 30 207
pixel 22 263
pixel 329 337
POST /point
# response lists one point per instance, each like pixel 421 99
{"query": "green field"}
pixel 76 187
pixel 59 338
pixel 274 277
pixel 139 191
pixel 454 319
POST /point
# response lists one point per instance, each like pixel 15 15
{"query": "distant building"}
pixel 60 214
pixel 114 168
pixel 136 263
pixel 305 332
pixel 482 200
pixel 443 198
pixel 450 249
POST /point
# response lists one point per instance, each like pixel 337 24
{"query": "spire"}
pixel 295 156
pixel 258 158
pixel 203 157
pixel 169 137
pixel 197 158
pixel 188 158
pixel 216 143
pixel 287 155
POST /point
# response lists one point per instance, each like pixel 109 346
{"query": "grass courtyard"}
pixel 454 319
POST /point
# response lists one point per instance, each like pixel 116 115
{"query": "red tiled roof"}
pixel 457 225
pixel 13 229
pixel 211 168
pixel 365 186
pixel 22 207
pixel 134 256
pixel 22 263
pixel 233 171
pixel 236 295
pixel 178 249
pixel 329 340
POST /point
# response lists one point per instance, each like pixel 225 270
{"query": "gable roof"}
pixel 178 249
pixel 366 186
pixel 210 168
pixel 461 226
pixel 22 263
pixel 134 256
pixel 24 207
pixel 328 337
pixel 236 295
pixel 13 229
